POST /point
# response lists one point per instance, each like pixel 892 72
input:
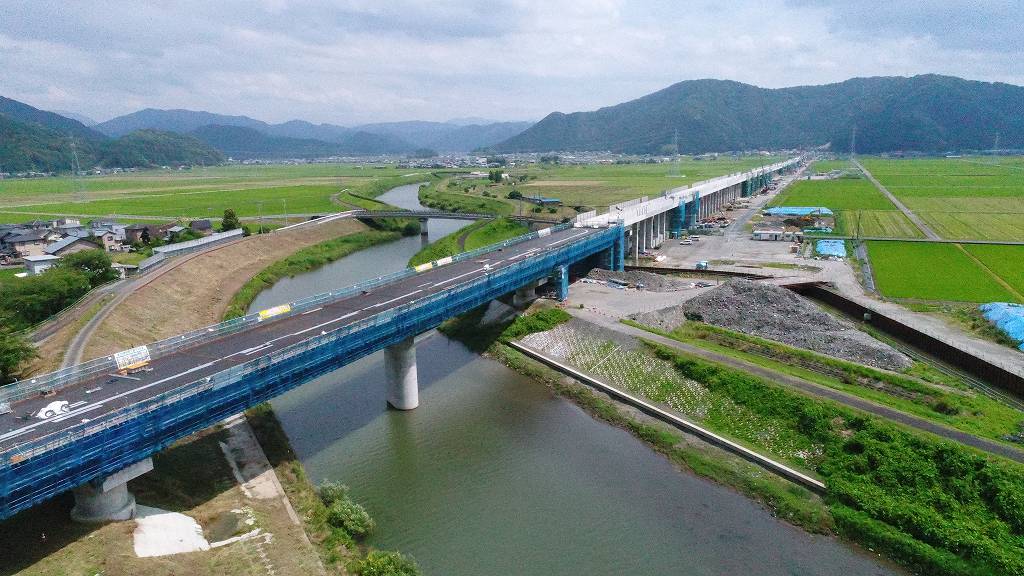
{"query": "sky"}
pixel 357 61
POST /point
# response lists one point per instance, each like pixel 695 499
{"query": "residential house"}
pixel 69 245
pixel 110 240
pixel 29 243
pixel 133 233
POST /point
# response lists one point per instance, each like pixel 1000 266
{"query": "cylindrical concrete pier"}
pixel 94 505
pixel 400 369
pixel 524 295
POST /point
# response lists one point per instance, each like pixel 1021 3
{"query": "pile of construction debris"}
pixel 646 280
pixel 778 314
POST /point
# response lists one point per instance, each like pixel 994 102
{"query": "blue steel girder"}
pixel 109 443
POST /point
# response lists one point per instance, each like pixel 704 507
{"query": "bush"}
pixel 540 321
pixel 331 492
pixel 351 517
pixel 380 563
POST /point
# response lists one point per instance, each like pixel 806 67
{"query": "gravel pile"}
pixel 651 281
pixel 778 314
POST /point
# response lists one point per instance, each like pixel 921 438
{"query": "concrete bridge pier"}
pixel 423 226
pixel 400 370
pixel 525 294
pixel 107 499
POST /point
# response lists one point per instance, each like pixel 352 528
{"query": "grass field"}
pixel 829 165
pixel 591 186
pixel 934 272
pixel 960 198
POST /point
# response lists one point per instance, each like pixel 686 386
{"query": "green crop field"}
pixel 829 165
pixel 876 223
pixel 604 184
pixel 978 198
pixel 1005 261
pixel 929 271
pixel 838 194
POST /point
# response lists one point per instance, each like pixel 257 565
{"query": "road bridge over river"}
pixel 114 422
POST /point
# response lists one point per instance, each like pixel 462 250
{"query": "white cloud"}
pixel 355 61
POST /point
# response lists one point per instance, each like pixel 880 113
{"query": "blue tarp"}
pixel 1007 317
pixel 835 248
pixel 797 211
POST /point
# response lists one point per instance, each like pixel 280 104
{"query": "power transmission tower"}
pixel 77 174
pixel 674 170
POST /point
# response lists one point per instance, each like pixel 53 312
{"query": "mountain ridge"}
pixel 927 113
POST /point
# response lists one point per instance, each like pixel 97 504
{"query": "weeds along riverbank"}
pixel 934 506
pixel 333 521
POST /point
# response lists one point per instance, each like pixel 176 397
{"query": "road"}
pixel 892 198
pixel 106 393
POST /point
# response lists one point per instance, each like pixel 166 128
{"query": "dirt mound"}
pixel 778 314
pixel 651 281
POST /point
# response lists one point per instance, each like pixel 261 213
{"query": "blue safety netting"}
pixel 797 211
pixel 835 248
pixel 1007 317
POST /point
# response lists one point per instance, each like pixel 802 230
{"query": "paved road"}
pixel 106 393
pixel 812 388
pixel 906 211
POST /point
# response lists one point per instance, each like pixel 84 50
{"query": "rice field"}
pixel 1005 261
pixel 838 195
pixel 978 198
pixel 876 223
pixel 943 272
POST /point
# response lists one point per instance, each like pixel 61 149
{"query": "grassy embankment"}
pixel 926 394
pixel 788 501
pixel 313 257
pixel 477 235
pixel 334 530
pixel 934 506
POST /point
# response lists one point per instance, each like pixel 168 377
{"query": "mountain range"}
pixel 34 139
pixel 380 138
pixel 928 113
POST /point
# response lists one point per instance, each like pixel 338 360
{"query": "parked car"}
pixel 695 238
pixel 686 242
pixel 703 284
pixel 52 409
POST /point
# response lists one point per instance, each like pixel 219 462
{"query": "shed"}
pixel 39 264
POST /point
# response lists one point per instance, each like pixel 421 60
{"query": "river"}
pixel 494 474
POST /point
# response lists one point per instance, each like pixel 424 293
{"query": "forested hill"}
pixel 33 139
pixel 925 113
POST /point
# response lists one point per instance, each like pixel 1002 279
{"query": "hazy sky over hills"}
pixel 355 61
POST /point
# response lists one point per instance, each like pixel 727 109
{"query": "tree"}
pixel 514 195
pixel 145 236
pixel 14 351
pixel 230 221
pixel 95 264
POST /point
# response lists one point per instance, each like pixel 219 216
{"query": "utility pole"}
pixel 853 142
pixel 259 206
pixel 285 202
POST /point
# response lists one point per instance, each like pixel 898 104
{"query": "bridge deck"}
pixel 106 393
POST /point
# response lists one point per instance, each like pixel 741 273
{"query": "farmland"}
pixel 191 193
pixel 960 198
pixel 591 185
pixel 861 210
pixel 942 272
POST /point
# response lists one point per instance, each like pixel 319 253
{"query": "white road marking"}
pixel 90 407
pixel 452 279
pixel 76 404
pixel 393 300
pixel 313 310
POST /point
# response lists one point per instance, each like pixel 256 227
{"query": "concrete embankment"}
pixel 681 423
